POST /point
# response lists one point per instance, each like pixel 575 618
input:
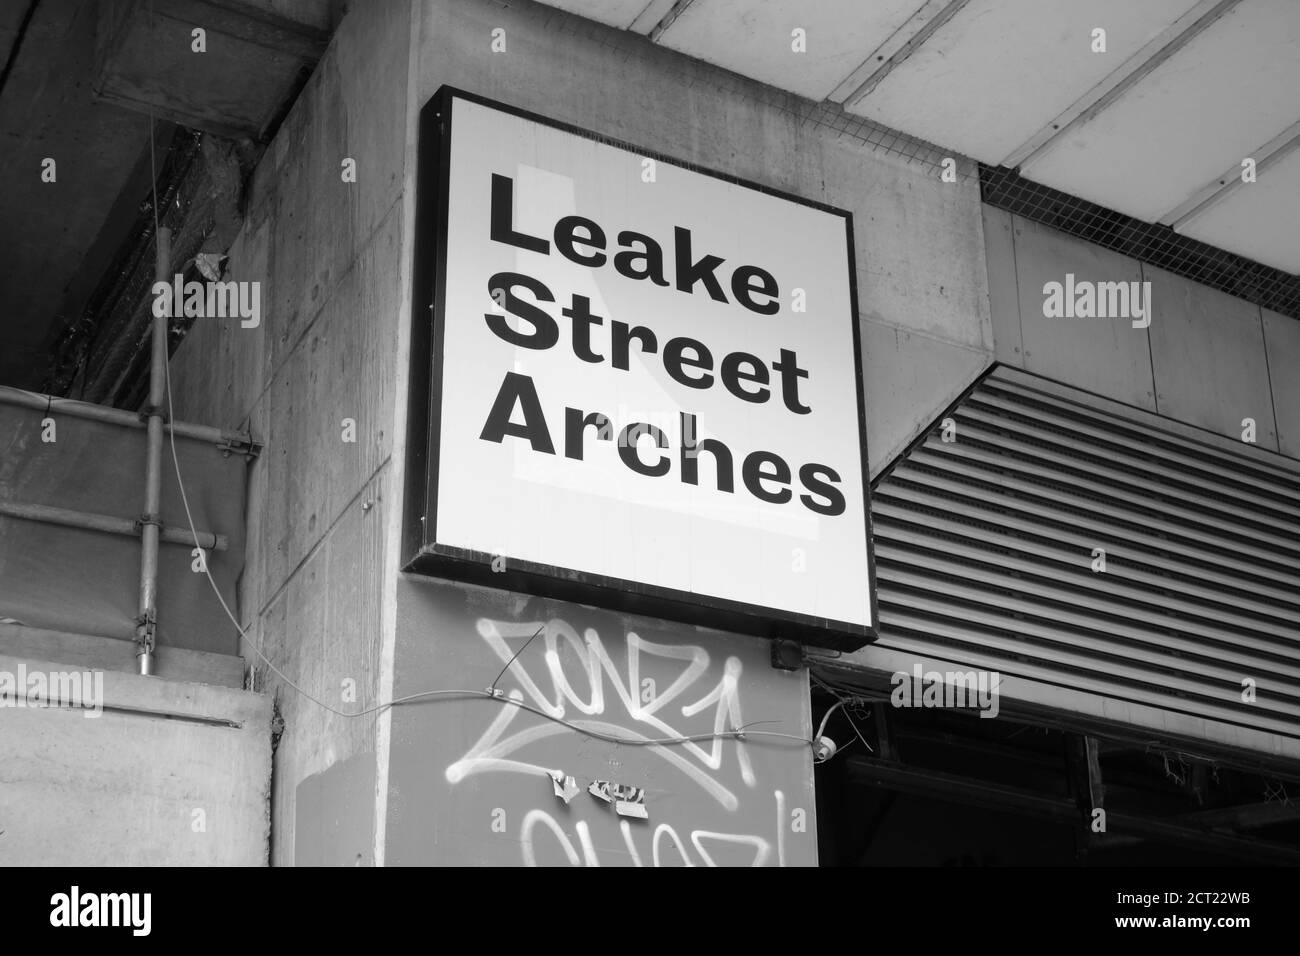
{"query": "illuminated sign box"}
pixel 635 383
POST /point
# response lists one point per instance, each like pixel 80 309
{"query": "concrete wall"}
pixel 925 321
pixel 330 258
pixel 167 774
pixel 1207 359
pixel 469 781
pixel 321 592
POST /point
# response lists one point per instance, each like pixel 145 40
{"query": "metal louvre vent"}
pixel 1147 242
pixel 985 548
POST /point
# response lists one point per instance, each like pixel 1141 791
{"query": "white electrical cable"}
pixel 740 734
pixel 243 632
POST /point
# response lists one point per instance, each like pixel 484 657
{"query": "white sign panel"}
pixel 645 377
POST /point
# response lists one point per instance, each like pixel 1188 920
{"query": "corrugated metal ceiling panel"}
pixel 757 39
pixel 1218 99
pixel 1257 219
pixel 991 49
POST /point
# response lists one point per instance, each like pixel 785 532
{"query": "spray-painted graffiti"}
pixel 645 691
pixel 663 841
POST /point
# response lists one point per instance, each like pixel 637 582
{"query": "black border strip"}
pixel 422 553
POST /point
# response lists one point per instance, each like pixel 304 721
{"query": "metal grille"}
pixel 1147 242
pixel 985 553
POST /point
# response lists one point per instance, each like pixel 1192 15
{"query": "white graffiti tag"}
pixel 491 752
pixel 698 755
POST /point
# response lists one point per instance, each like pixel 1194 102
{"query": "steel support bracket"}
pixel 237 446
pixel 153 519
pixel 148 632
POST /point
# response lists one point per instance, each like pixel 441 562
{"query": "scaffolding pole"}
pixel 232 441
pixel 89 521
pixel 151 517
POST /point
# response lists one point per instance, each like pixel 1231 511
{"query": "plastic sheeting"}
pixel 87 582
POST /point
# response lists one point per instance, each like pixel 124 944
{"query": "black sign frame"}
pixel 423 554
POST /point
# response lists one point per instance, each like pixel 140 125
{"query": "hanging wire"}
pixel 492 693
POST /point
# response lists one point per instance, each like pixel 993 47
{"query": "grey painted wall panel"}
pixel 1105 356
pixel 1282 344
pixel 334 816
pixel 469 783
pixel 1207 350
pixel 1004 296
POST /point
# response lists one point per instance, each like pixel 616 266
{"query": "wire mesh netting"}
pixel 1147 242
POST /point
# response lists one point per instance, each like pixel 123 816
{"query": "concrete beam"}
pixel 253 59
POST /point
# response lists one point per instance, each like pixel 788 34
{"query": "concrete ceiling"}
pixel 80 82
pixel 57 238
pixel 1156 126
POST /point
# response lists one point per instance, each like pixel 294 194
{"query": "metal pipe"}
pixel 147 622
pixel 20 398
pixel 89 521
